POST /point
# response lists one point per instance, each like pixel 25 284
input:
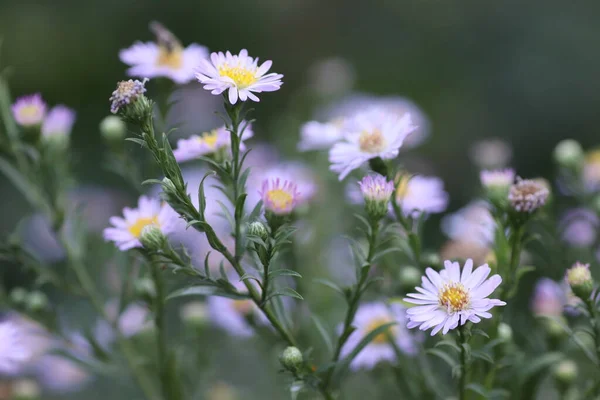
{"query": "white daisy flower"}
pixel 126 231
pixel 14 349
pixel 451 298
pixel 216 141
pixel 416 194
pixel 165 58
pixel 371 134
pixel 369 317
pixel 234 315
pixel 320 136
pixel 239 74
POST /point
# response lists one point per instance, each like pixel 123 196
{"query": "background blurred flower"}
pixel 209 143
pixel 472 223
pixel 579 227
pixel 331 76
pixel 29 110
pixel 233 315
pixel 59 121
pixel 418 193
pixel 165 58
pixel 14 352
pixel 549 298
pixel 491 153
pixel 320 135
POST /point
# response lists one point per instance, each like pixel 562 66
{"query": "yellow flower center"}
pixel 29 111
pixel 242 306
pixel 242 77
pixel 454 296
pixel 371 142
pixel 172 58
pixel 139 225
pixel 593 157
pixel 209 138
pixel 383 336
pixel 280 199
pixel 402 188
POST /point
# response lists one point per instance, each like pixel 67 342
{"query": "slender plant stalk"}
pixel 159 323
pixel 462 382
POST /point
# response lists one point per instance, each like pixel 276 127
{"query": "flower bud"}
pixel 409 277
pixel 194 313
pixel 569 154
pixel 129 102
pixel 37 301
pixel 113 129
pixel 26 389
pixel 152 238
pixel 258 229
pixel 376 191
pixel 291 358
pixel 580 280
pixel 145 289
pixel 505 332
pixel 554 327
pixel 565 372
pixel 18 296
pixel 496 184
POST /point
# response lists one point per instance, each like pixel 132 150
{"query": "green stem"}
pixel 462 383
pixel 596 327
pixel 159 323
pixel 515 257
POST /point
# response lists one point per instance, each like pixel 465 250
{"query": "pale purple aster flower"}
pixel 14 349
pixel 371 316
pixel 59 121
pixel 579 227
pixel 472 223
pixel 320 135
pixel 133 320
pixel 527 195
pixel 126 231
pixel 497 178
pixel 421 194
pixel 451 298
pixel 279 197
pixel 165 58
pixel 371 134
pixel 126 93
pixel 239 75
pixel 212 142
pixel 549 298
pixel 29 110
pixel 356 103
pixel 376 188
pixel 233 315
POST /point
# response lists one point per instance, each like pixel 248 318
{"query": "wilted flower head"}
pixel 29 110
pixel 549 298
pixel 215 142
pixel 376 191
pixel 451 298
pixel 239 74
pixel 320 135
pixel 370 134
pixel 527 195
pixel 278 197
pixel 416 194
pixel 58 122
pixel 165 58
pixel 14 351
pixel 127 92
pixel 580 280
pixel 371 316
pixel 126 232
pixel 498 178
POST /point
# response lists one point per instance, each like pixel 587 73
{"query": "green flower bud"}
pixel 580 279
pixel 569 154
pixel 291 358
pixel 565 372
pixel 145 289
pixel 258 229
pixel 18 296
pixel 26 389
pixel 554 328
pixel 409 277
pixel 37 301
pixel 505 332
pixel 113 129
pixel 152 238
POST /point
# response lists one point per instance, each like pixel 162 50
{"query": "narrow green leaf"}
pixel 286 292
pixel 201 195
pixel 444 356
pixel 323 332
pixel 331 285
pixel 283 272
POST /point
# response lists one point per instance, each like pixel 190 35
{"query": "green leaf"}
pixel 251 277
pixel 481 355
pixel 324 334
pixel 444 356
pixel 331 285
pixel 448 343
pixel 479 389
pixel 141 142
pixel 283 272
pixel 204 290
pixel 537 365
pixel 201 195
pixel 286 292
pixel 480 332
pixel 30 192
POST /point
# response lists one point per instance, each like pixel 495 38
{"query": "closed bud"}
pixel 113 129
pixel 569 154
pixel 505 332
pixel 409 277
pixel 291 358
pixel 376 191
pixel 145 289
pixel 258 229
pixel 37 301
pixel 26 389
pixel 152 238
pixel 580 280
pixel 18 296
pixel 565 372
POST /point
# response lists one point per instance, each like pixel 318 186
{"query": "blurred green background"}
pixel 522 71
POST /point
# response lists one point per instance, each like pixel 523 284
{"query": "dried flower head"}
pixel 127 92
pixel 527 195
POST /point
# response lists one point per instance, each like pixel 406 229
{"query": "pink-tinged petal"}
pixel 427 285
pixel 233 95
pixel 434 277
pixel 474 318
pixel 426 292
pixel 487 287
pixel 467 270
pixel 414 301
pixel 484 314
pixel 477 277
pixel 421 309
pixel 422 297
pixel 439 327
pixel 451 323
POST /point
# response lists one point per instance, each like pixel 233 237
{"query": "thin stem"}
pixel 515 257
pixel 462 383
pixel 595 326
pixel 159 314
